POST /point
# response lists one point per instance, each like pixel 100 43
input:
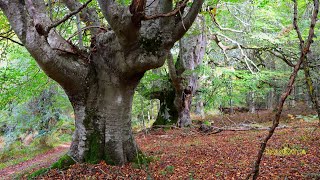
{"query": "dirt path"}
pixel 41 160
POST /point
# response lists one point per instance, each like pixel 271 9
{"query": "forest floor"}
pixel 292 153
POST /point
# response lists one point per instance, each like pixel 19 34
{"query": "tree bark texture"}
pixel 100 82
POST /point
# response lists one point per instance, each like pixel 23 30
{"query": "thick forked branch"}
pixel 88 15
pixel 119 18
pixel 137 9
pixel 186 22
pixel 66 69
pixel 172 13
pixel 305 47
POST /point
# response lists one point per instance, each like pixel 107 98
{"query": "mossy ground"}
pixel 63 163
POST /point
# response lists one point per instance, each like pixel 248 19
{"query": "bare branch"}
pixel 88 15
pixel 10 39
pixel 213 17
pixel 65 18
pixel 172 13
pixel 185 23
pixel 281 56
pixel 295 23
pixel 246 59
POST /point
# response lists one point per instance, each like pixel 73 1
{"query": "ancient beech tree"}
pixel 176 97
pixel 101 81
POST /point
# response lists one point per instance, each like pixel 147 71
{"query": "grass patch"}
pixel 168 170
pixel 63 163
pixel 142 161
pixel 286 151
pixel 38 173
pixel 17 153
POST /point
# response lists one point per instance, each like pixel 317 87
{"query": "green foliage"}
pixel 142 161
pixel 208 123
pixel 168 170
pixel 20 78
pixel 225 84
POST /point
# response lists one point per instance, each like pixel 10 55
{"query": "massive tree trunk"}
pixel 100 82
pixel 103 122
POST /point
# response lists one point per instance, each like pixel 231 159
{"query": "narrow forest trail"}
pixel 41 160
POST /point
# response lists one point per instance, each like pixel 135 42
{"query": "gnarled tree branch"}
pixel 120 20
pixel 185 23
pixel 67 69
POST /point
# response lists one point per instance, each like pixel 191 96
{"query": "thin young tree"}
pixel 304 49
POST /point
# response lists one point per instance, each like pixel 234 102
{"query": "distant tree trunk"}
pixel 293 97
pixel 230 93
pixel 311 87
pixel 251 102
pixel 167 113
pixel 199 107
pixel 271 99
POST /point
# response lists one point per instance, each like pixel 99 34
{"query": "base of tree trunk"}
pixel 168 113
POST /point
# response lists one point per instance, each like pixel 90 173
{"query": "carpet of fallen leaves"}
pixel 189 154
